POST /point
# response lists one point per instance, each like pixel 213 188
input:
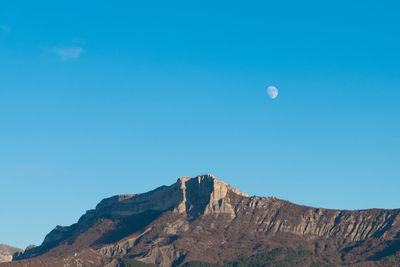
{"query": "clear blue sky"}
pixel 99 98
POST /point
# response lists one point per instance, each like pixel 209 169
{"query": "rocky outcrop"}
pixel 6 252
pixel 202 194
pixel 312 223
pixel 203 218
pixel 205 195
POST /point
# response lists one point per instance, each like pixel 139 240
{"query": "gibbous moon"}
pixel 272 92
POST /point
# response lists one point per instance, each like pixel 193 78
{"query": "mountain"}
pixel 6 252
pixel 203 221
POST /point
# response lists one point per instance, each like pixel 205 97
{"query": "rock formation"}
pixel 205 219
pixel 6 252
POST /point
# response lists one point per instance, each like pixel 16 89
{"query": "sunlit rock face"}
pixel 6 252
pixel 206 195
pixel 202 194
pixel 205 219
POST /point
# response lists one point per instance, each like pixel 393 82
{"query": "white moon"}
pixel 272 92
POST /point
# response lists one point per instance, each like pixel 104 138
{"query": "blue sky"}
pixel 109 98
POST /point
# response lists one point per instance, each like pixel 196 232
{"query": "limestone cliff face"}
pixel 203 218
pixel 190 196
pixel 205 195
pixel 273 215
pixel 259 221
pixel 202 194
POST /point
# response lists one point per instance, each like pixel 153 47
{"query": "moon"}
pixel 272 92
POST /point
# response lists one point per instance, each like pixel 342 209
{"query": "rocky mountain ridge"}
pixel 205 219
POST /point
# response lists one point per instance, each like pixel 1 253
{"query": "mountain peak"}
pixel 206 194
pixel 188 195
pixel 217 184
pixel 204 218
pixel 203 194
pixel 199 178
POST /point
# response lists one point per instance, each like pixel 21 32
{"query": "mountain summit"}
pixel 203 219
